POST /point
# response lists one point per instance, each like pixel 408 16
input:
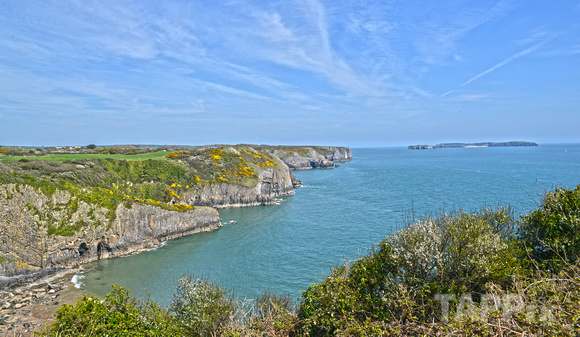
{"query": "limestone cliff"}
pixel 27 216
pixel 271 183
pixel 307 157
pixel 263 181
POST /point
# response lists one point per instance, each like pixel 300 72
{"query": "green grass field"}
pixel 65 157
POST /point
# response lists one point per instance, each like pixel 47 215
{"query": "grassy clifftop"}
pixel 156 178
pixel 174 178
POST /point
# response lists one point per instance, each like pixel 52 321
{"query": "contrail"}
pixel 510 59
pixel 506 61
pixel 447 93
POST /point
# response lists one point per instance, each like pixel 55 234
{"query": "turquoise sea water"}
pixel 338 214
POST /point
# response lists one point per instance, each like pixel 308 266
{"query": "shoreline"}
pixel 29 308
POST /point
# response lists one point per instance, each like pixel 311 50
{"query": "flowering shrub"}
pixel 452 253
pixel 110 151
pixel 463 250
pixel 168 206
pixel 232 164
pixel 178 155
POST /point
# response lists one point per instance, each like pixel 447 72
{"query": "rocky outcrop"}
pixel 137 228
pixel 341 154
pixel 27 245
pixel 272 183
pixel 311 160
pixel 300 158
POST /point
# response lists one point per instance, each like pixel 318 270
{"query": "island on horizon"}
pixel 482 144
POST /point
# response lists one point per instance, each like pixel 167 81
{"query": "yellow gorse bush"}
pixel 222 165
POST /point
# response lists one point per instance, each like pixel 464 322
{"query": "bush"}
pixel 462 251
pixel 118 315
pixel 552 232
pixel 397 282
pixel 201 308
pixel 270 304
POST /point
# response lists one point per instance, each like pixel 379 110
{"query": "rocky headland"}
pixel 56 215
pixel 310 157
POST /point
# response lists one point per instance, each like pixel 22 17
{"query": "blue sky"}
pixel 355 73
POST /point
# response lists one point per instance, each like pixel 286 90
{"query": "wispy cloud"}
pixel 439 32
pixel 273 61
pixel 472 97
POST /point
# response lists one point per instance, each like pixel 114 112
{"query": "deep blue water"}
pixel 339 214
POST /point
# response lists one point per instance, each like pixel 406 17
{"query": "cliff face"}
pixel 271 183
pixel 61 214
pixel 26 216
pixel 341 154
pixel 299 158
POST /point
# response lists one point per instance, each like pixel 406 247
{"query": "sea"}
pixel 337 216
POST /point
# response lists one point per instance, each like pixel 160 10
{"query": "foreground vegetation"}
pixel 481 273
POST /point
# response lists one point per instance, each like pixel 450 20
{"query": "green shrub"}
pixel 118 315
pixel 452 253
pixel 201 308
pixel 275 315
pixel 460 251
pixel 270 304
pixel 552 232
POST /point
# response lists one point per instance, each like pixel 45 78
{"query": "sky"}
pixel 312 72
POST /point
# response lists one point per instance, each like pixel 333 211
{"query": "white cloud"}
pixel 239 59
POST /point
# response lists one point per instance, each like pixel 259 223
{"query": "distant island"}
pixel 483 144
